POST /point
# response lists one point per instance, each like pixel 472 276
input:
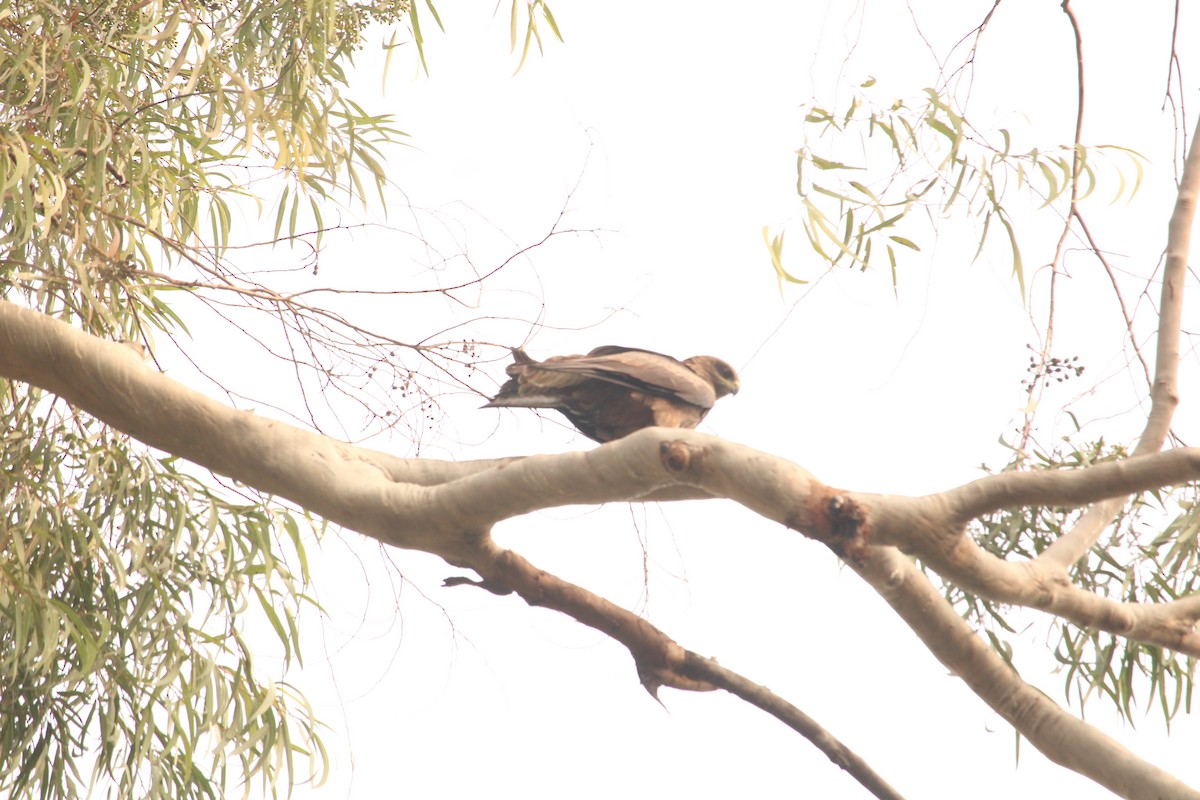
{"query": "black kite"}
pixel 614 391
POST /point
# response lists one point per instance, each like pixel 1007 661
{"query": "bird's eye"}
pixel 725 371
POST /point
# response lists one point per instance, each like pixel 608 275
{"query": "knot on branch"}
pixel 495 587
pixel 677 456
pixel 847 527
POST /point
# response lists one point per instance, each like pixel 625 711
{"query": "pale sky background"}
pixel 679 123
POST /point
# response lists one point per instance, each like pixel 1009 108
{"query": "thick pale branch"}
pixel 1164 392
pixel 448 509
pixel 445 508
pixel 440 507
pixel 1069 487
pixel 1060 736
pixel 630 469
pixel 426 471
pixel 1171 625
pixel 932 527
pixel 1044 583
pixel 929 527
pixel 347 485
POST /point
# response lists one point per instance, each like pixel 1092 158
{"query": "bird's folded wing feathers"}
pixel 640 370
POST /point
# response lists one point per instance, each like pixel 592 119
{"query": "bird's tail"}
pixel 522 401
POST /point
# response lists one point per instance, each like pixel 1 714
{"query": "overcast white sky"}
pixel 679 123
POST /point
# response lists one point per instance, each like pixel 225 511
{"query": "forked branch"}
pixel 449 509
pixel 1164 393
pixel 660 660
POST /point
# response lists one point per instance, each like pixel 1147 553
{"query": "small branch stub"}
pixel 676 456
pixel 491 586
pixel 653 678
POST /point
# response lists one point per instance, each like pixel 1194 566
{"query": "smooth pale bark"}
pixel 1164 390
pixel 448 508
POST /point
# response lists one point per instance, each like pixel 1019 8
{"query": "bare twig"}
pixel 1036 384
pixel 1112 277
pixel 1178 104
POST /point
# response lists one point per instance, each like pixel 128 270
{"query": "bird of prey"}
pixel 614 391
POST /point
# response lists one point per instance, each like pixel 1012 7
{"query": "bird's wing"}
pixel 640 370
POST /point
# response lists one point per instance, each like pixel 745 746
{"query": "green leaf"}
pixel 418 39
pixel 1017 265
pixel 826 164
pixel 1052 188
pixel 863 190
pixel 550 19
pixel 775 248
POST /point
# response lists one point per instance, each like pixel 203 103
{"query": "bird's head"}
pixel 718 373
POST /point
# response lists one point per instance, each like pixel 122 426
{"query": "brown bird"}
pixel 613 391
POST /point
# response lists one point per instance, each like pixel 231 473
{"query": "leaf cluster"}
pixel 128 585
pixel 127 588
pixel 127 129
pixel 876 176
pixel 533 34
pixel 1150 555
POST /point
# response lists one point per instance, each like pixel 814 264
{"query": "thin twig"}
pixel 708 670
pixel 1112 277
pixel 1037 385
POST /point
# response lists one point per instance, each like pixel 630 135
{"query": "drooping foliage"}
pixel 128 581
pixel 135 140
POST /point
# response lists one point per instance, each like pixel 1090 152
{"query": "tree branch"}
pixel 1164 393
pixel 448 509
pixel 1063 738
pixel 1070 487
pixel 660 660
pixel 708 670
